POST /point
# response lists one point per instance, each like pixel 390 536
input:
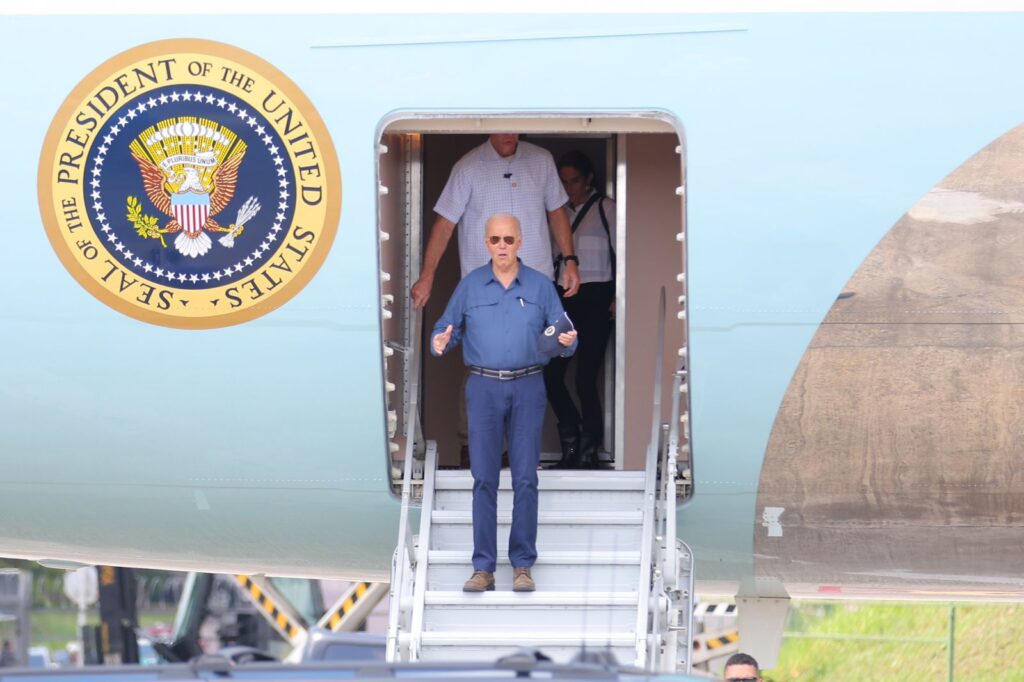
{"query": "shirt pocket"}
pixel 533 314
pixel 482 296
pixel 481 312
pixel 481 305
pixel 526 186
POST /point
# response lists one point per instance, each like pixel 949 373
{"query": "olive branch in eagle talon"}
pixel 147 226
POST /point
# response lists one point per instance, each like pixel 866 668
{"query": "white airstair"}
pixel 611 575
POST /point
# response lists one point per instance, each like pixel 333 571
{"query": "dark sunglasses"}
pixel 742 679
pixel 509 239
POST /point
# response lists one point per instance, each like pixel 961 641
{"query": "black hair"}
pixel 743 659
pixel 582 163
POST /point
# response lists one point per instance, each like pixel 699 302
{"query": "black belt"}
pixel 506 374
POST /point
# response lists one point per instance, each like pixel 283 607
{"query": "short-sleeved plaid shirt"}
pixel 483 183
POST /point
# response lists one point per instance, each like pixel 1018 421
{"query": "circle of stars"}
pixel 160 273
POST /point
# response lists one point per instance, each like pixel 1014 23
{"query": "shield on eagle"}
pixel 191 211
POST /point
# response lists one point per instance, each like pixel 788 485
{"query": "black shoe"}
pixel 570 437
pixel 590 453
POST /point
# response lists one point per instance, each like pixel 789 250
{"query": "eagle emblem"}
pixel 189 170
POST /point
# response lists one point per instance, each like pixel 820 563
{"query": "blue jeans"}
pixel 496 410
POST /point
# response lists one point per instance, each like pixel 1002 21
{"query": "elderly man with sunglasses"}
pixel 502 175
pixel 499 312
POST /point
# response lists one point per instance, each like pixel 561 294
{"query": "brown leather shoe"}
pixel 521 580
pixel 480 581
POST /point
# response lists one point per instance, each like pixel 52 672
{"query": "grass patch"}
pixel 56 627
pixel 870 641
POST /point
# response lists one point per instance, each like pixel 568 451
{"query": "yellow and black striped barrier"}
pixel 278 617
pixel 724 640
pixel 709 646
pixel 346 607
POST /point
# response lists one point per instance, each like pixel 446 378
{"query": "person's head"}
pixel 742 668
pixel 577 175
pixel 505 143
pixel 503 237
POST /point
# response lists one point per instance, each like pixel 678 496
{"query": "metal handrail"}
pixel 670 464
pixel 420 581
pixel 405 553
pixel 644 592
pixel 661 551
pixel 669 556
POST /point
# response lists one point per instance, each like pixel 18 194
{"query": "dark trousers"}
pixel 588 310
pixel 496 410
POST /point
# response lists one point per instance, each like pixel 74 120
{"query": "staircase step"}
pixel 550 501
pixel 469 638
pixel 564 653
pixel 534 620
pixel 591 537
pixel 440 556
pixel 540 598
pixel 549 577
pixel 462 479
pixel 551 518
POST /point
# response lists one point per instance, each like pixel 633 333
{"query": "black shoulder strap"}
pixel 608 234
pixel 583 211
pixel 604 222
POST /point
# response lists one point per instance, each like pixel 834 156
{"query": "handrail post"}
pixel 645 646
pixel 420 580
pixel 405 553
pixel 951 644
pixel 668 471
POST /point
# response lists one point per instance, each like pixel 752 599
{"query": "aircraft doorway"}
pixel 639 164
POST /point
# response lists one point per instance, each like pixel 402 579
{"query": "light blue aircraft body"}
pixel 263 446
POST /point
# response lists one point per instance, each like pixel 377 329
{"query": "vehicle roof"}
pixel 217 668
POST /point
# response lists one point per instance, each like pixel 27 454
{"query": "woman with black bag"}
pixel 592 216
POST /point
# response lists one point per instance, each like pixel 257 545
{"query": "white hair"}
pixel 502 217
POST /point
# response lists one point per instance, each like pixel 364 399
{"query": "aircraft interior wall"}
pixel 653 259
pixel 642 172
pixel 396 168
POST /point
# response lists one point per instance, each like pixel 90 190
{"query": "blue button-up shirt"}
pixel 500 327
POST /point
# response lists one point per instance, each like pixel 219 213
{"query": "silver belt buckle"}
pixel 503 373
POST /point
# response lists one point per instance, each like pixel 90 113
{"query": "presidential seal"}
pixel 190 184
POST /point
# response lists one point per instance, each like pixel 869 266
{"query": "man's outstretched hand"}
pixel 441 340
